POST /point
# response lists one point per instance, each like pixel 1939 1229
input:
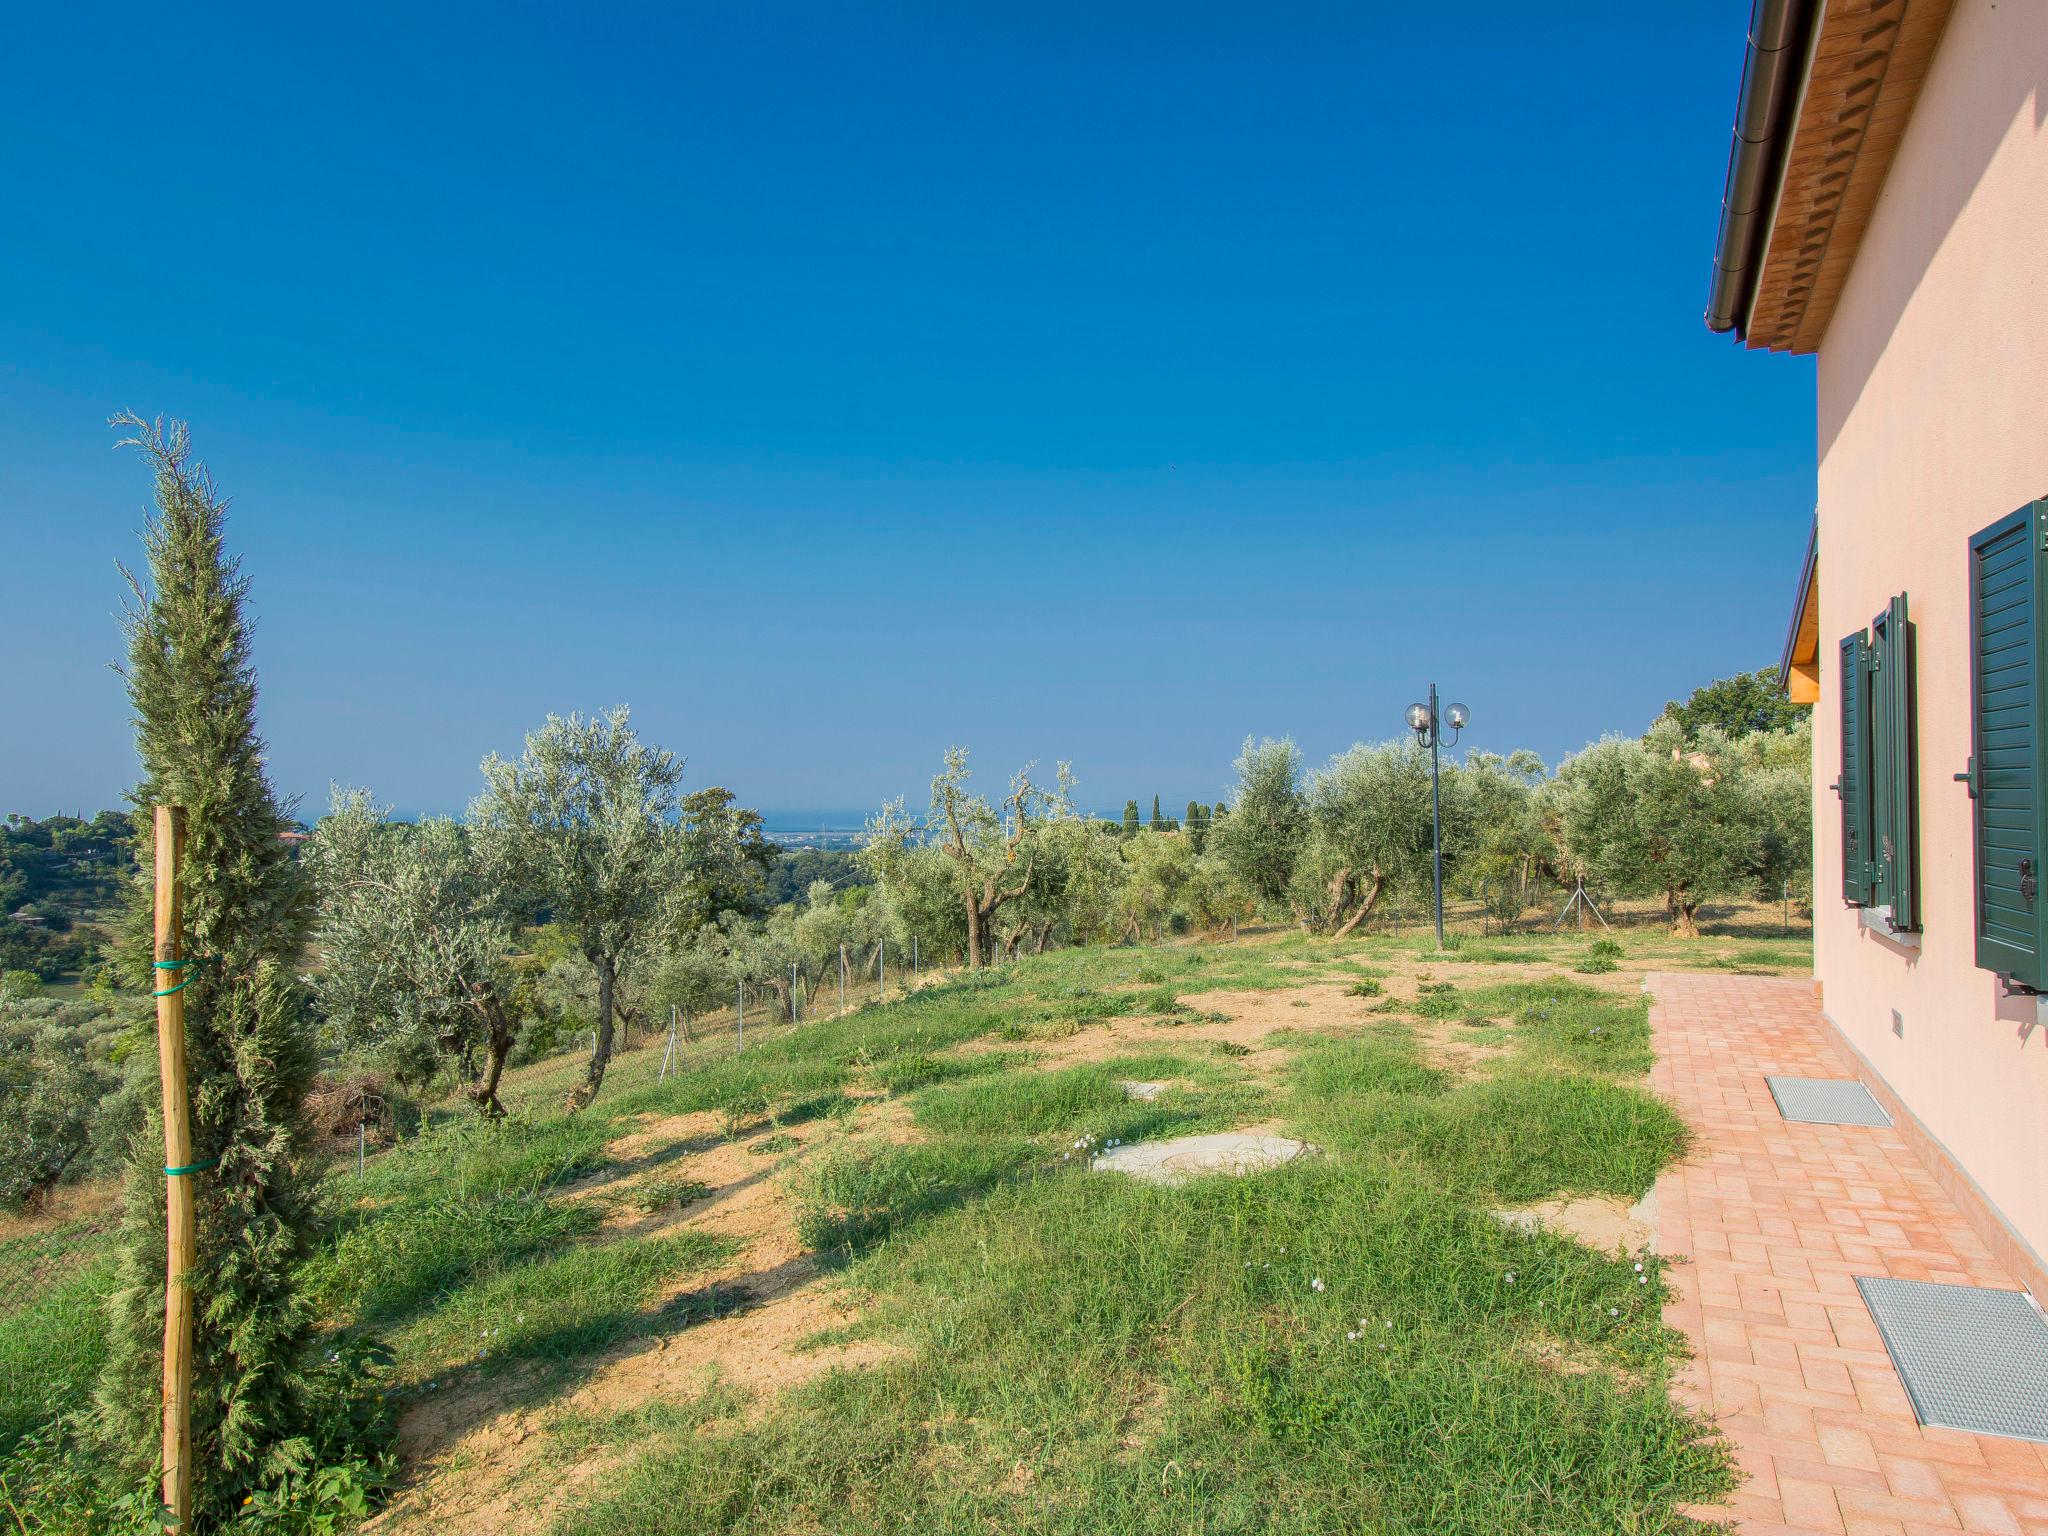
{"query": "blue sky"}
pixel 833 383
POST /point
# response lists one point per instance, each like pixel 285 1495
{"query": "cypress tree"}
pixel 1130 818
pixel 1197 827
pixel 1158 821
pixel 248 1043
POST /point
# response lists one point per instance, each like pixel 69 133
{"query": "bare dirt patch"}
pixel 478 1454
pixel 1599 1221
pixel 1453 1048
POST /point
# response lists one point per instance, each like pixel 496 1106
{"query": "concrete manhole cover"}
pixel 1188 1157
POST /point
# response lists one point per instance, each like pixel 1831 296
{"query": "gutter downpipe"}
pixel 1774 71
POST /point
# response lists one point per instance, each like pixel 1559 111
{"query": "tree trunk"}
pixel 1684 914
pixel 1371 899
pixel 485 1093
pixel 779 984
pixel 600 1057
pixel 1339 894
pixel 973 934
pixel 1044 933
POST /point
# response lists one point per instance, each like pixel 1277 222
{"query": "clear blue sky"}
pixel 832 383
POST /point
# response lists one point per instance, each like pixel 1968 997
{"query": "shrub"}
pixel 51 1086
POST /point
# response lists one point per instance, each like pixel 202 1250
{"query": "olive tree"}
pixel 584 822
pixel 693 978
pixel 1261 837
pixel 53 1083
pixel 1368 814
pixel 916 886
pixel 991 850
pixel 414 933
pixel 1077 884
pixel 1662 815
pixel 1507 853
pixel 1157 866
pixel 1778 766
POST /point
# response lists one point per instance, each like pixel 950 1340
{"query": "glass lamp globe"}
pixel 1458 715
pixel 1418 717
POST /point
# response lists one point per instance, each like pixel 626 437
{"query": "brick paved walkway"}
pixel 1770 1223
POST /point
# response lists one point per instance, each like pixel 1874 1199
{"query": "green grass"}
pixel 854 1198
pixel 1551 1120
pixel 459 1201
pixel 1157 1361
pixel 52 1323
pixel 560 1306
pixel 1084 1100
pixel 1083 1354
pixel 1078 1353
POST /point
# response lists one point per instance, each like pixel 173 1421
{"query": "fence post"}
pixel 181 1222
pixel 740 1012
pixel 842 981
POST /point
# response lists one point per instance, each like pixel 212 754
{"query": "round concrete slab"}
pixel 1187 1157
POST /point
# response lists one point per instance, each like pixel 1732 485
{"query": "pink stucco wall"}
pixel 1934 423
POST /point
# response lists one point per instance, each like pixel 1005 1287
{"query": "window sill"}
pixel 1878 922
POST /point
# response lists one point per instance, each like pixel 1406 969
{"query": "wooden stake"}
pixel 181 1223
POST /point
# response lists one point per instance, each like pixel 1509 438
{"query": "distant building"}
pixel 1887 209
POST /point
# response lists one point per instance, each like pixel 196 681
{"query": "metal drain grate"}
pixel 1826 1101
pixel 1971 1358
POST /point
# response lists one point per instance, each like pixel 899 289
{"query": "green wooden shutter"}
pixel 1854 784
pixel 2005 735
pixel 1892 776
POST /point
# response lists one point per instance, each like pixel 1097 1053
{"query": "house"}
pixel 1887 209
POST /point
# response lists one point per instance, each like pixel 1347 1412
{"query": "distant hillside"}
pixel 56 874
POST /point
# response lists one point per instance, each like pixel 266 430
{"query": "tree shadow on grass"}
pixel 554 1363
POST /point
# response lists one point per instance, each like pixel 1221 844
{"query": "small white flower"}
pixel 1383 1346
pixel 1614 1311
pixel 1639 1266
pixel 1642 1279
pixel 1316 1284
pixel 1390 1322
pixel 1511 1277
pixel 1352 1334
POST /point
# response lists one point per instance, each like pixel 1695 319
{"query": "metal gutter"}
pixel 1781 34
pixel 1799 599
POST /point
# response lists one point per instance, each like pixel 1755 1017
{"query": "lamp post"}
pixel 1428 729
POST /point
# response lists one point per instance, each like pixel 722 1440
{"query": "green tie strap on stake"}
pixel 173 965
pixel 172 1173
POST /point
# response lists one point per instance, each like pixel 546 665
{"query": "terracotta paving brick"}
pixel 1770 1224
